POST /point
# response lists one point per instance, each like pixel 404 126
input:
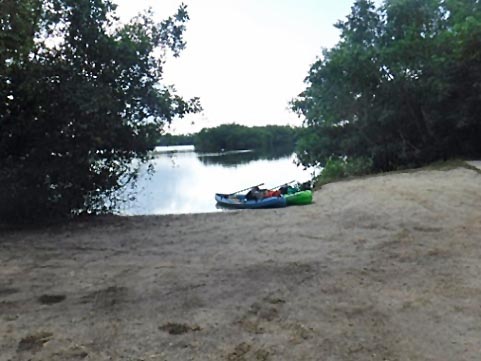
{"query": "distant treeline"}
pixel 235 137
pixel 170 139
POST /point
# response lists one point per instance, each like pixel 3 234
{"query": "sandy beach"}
pixel 381 268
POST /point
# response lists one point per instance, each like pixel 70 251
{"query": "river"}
pixel 184 181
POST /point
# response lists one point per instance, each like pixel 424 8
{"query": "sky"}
pixel 245 59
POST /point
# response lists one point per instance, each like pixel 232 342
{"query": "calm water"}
pixel 185 181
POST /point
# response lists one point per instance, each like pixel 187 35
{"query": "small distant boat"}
pixel 299 198
pixel 241 202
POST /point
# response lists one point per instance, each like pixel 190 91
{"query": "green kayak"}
pixel 299 198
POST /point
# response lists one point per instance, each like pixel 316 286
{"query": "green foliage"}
pixel 80 98
pixel 18 24
pixel 358 166
pixel 337 168
pixel 334 169
pixel 401 88
pixel 237 137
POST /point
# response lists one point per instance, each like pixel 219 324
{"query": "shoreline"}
pixel 378 268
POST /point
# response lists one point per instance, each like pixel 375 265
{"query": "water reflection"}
pixel 186 182
pixel 173 149
pixel 236 158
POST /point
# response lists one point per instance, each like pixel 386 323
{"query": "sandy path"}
pixel 383 268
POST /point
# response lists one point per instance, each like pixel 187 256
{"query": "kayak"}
pixel 299 198
pixel 239 201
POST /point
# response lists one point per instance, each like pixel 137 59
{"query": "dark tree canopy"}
pixel 81 96
pixel 400 89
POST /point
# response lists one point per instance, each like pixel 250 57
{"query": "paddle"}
pixel 283 184
pixel 246 189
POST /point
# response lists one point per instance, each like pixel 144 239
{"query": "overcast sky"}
pixel 245 59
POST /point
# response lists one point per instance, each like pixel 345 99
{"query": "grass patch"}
pixel 448 165
pixel 435 166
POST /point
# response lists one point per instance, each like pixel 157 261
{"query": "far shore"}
pixel 379 268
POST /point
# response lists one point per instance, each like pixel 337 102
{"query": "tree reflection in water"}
pixel 239 157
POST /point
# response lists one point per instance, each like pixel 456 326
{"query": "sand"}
pixel 381 268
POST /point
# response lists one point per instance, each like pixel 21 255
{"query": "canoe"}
pixel 299 198
pixel 240 202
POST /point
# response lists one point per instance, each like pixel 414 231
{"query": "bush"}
pixel 338 168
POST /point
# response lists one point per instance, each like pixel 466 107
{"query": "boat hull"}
pixel 299 198
pixel 240 202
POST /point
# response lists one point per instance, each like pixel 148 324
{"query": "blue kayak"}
pixel 239 201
